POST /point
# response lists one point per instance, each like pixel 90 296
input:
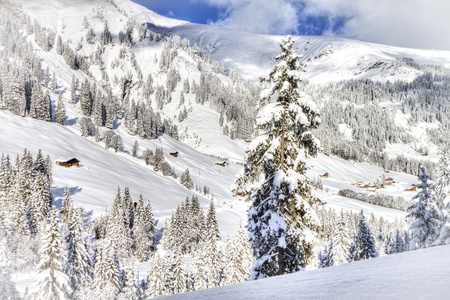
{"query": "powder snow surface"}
pixel 421 274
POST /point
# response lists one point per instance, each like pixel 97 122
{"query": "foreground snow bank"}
pixel 421 274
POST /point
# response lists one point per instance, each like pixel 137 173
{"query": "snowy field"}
pixel 420 274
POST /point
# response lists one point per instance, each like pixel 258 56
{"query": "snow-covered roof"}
pixel 66 159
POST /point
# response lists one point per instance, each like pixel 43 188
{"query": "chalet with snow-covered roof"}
pixel 67 162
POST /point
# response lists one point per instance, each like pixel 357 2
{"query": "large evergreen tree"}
pixel 238 260
pixel 78 266
pixel 363 246
pixel 341 241
pixel 51 282
pixel 326 257
pixel 282 215
pixel 443 198
pixel 424 215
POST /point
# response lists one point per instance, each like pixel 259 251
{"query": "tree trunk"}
pixel 282 143
pixel 281 264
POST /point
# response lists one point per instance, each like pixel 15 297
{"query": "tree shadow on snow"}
pixel 58 194
pixel 71 122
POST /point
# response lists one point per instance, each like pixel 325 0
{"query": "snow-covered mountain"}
pixel 202 80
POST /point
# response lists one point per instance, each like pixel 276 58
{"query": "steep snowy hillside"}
pixel 417 274
pixel 94 184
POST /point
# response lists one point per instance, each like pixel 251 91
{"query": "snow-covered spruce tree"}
pixel 443 197
pixel 186 180
pixel 147 156
pixel 213 261
pixel 394 244
pixel 78 266
pixel 66 207
pixel 326 257
pixel 424 216
pixel 118 231
pixel 8 289
pixel 199 273
pixel 341 241
pixel 239 258
pixel 159 284
pixel 283 213
pixel 106 275
pixel 51 282
pixel 212 224
pixel 363 246
pixel 158 159
pixel 129 288
pixel 135 149
pixel 60 115
pixel 178 282
pixel 144 230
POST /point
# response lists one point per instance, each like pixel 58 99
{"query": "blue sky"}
pixel 406 23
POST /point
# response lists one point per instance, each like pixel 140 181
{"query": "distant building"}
pixel 67 162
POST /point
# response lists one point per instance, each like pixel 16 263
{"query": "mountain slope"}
pixel 94 184
pixel 326 59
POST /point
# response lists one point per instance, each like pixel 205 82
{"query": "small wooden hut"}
pixel 67 162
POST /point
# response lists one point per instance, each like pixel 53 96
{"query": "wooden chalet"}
pixel 411 189
pixel 67 162
pixel 325 175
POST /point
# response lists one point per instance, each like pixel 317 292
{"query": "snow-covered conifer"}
pixel 424 216
pixel 282 215
pixel 158 159
pixel 239 258
pixel 213 262
pixel 144 230
pixel 363 246
pixel 66 207
pixel 326 256
pixel 341 241
pixel 135 149
pixel 147 155
pixel 129 288
pixel 178 276
pixel 51 282
pixel 78 266
pixel 73 90
pixel 186 180
pixel 212 224
pixel 60 114
pixel 443 198
pixel 8 289
pixel 199 273
pixel 159 284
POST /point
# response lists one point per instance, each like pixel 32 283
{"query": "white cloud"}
pixel 258 16
pixel 407 23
